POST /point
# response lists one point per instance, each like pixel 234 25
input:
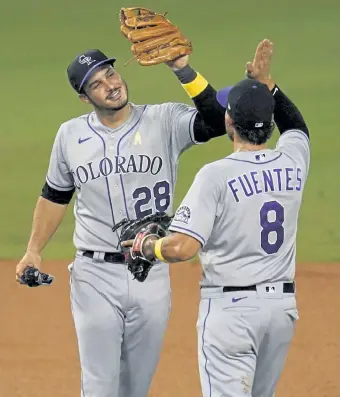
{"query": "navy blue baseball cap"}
pixel 83 65
pixel 249 103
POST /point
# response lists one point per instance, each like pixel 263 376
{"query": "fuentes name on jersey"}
pixel 263 181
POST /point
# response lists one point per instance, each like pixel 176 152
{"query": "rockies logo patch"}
pixel 183 214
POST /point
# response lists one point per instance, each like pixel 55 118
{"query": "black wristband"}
pixel 186 75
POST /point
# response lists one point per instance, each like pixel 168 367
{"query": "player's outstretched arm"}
pixel 286 114
pixel 192 224
pixel 47 217
pixel 209 121
pixel 177 247
pixel 149 33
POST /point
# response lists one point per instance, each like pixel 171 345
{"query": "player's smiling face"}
pixel 105 89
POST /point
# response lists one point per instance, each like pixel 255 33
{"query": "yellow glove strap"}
pixel 158 250
pixel 196 86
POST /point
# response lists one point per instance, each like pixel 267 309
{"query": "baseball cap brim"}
pixel 110 61
pixel 222 96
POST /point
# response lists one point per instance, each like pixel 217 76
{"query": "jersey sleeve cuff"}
pixel 191 130
pixel 58 187
pixel 298 132
pixel 189 232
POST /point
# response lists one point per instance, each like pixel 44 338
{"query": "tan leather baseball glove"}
pixel 155 39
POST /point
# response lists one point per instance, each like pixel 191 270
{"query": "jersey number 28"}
pixel 160 193
pixel 270 227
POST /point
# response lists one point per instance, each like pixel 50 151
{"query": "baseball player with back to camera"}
pixel 241 215
pixel 121 160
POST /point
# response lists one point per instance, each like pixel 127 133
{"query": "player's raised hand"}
pixel 259 69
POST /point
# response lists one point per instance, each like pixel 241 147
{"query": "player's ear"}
pixel 84 98
pixel 228 121
pixel 227 118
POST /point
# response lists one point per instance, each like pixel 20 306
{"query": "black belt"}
pixel 288 288
pixel 112 257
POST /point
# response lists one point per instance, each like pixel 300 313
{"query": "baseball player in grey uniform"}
pixel 240 215
pixel 121 160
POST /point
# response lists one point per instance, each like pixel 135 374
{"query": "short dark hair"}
pixel 255 136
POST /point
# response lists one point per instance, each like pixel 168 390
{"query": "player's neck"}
pixel 247 147
pixel 114 119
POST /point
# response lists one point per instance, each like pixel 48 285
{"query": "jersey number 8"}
pixel 275 226
pixel 161 194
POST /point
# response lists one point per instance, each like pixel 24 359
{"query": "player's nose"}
pixel 111 86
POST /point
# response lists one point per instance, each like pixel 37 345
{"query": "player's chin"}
pixel 117 104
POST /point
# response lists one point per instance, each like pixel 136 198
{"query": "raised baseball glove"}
pixel 155 39
pixel 32 277
pixel 156 225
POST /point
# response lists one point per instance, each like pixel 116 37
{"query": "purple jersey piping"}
pixel 119 142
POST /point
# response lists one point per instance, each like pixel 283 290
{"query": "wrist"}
pixel 186 74
pixel 157 249
pixel 33 251
pixel 147 249
pixel 270 84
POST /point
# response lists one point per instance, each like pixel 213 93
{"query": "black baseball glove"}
pixel 32 277
pixel 137 230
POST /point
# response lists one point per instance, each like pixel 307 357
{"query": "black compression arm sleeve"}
pixel 286 115
pixel 209 122
pixel 56 196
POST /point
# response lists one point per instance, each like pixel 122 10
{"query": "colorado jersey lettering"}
pixel 126 172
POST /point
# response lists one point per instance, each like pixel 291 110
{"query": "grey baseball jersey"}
pixel 128 172
pixel 244 209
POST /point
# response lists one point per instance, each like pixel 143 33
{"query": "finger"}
pixel 267 54
pixel 258 53
pixel 249 70
pixel 18 279
pixel 267 46
pixel 21 268
pixel 19 272
pixel 249 67
pixel 127 243
pixel 271 49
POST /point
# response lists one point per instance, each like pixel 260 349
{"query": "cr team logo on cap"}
pixel 83 59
